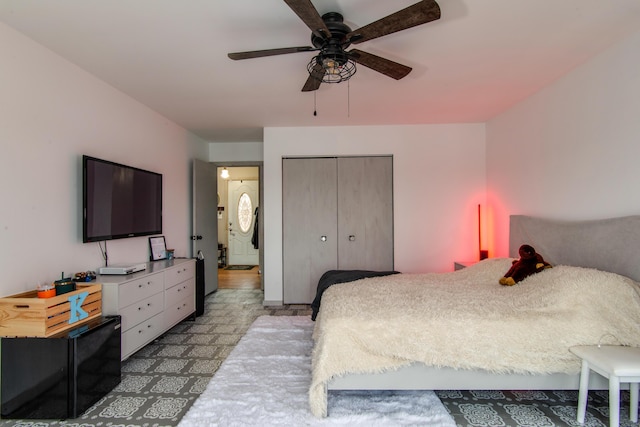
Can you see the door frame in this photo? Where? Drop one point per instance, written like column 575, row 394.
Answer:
column 260, row 166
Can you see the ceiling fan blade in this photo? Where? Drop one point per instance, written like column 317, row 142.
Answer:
column 379, row 64
column 310, row 16
column 269, row 52
column 315, row 79
column 417, row 14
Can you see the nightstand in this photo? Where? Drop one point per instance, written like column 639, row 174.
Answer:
column 459, row 265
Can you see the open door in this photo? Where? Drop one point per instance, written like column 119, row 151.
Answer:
column 205, row 221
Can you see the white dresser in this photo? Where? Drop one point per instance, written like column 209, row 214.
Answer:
column 149, row 302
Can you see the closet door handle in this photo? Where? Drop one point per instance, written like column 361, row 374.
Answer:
column 323, row 238
column 352, row 238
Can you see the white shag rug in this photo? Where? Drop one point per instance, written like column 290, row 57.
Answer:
column 265, row 382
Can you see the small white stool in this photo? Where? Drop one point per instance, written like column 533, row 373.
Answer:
column 619, row 364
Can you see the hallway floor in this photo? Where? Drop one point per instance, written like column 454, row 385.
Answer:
column 239, row 279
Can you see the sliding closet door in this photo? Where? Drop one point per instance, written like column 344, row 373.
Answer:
column 365, row 213
column 309, row 225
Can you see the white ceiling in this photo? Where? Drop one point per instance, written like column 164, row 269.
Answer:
column 480, row 58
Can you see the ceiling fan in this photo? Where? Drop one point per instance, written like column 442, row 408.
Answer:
column 331, row 36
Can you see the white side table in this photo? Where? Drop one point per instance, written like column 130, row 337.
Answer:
column 619, row 364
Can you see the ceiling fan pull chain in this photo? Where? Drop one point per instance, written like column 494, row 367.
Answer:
column 315, row 112
column 348, row 98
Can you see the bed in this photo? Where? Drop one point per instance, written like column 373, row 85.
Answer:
column 462, row 330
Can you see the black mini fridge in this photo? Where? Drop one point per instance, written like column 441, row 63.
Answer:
column 61, row 376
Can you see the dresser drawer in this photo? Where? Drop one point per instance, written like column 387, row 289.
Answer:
column 139, row 289
column 142, row 334
column 179, row 291
column 179, row 311
column 179, row 274
column 142, row 310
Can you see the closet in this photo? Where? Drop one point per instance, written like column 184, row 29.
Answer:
column 337, row 215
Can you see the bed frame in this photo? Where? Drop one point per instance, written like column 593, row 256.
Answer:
column 610, row 245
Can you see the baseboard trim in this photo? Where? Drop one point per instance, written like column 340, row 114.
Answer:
column 266, row 303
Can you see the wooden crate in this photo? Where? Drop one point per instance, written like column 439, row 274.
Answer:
column 26, row 315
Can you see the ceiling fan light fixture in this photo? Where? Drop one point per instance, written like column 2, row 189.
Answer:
column 329, row 68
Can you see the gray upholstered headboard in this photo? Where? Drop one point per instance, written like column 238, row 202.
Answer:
column 608, row 244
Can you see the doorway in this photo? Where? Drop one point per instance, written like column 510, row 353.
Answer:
column 239, row 226
column 242, row 221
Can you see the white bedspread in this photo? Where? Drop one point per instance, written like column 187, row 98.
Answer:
column 466, row 320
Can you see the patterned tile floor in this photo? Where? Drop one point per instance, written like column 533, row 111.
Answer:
column 161, row 382
column 483, row 408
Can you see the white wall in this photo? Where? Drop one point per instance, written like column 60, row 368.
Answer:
column 572, row 150
column 439, row 179
column 234, row 151
column 52, row 112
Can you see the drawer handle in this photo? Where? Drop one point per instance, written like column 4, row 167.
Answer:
column 140, row 285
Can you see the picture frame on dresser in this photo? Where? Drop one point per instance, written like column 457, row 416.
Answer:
column 158, row 247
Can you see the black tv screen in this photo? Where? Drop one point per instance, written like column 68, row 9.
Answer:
column 119, row 201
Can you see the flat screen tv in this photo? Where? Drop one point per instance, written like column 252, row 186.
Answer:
column 119, row 201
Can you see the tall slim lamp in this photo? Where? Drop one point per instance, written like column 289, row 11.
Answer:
column 483, row 253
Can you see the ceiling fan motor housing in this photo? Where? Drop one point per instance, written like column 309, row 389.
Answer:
column 334, row 45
